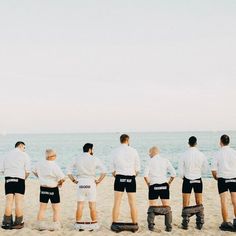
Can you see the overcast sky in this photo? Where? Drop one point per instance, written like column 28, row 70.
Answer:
column 97, row 66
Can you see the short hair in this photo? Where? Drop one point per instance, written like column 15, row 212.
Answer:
column 192, row 141
column 19, row 143
column 225, row 140
column 124, row 138
column 50, row 152
column 155, row 149
column 87, row 146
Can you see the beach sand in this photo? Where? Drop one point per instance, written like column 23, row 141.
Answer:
column 104, row 208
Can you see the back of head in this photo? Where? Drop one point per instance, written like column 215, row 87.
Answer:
column 50, row 154
column 192, row 141
column 153, row 151
column 19, row 143
column 124, row 138
column 225, row 140
column 87, row 146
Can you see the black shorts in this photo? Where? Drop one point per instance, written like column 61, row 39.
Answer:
column 125, row 183
column 159, row 190
column 51, row 194
column 195, row 184
column 14, row 185
column 226, row 184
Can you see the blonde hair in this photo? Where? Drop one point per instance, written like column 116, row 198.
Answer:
column 50, row 152
column 154, row 149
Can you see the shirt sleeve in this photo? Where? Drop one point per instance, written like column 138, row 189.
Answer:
column 112, row 166
column 59, row 174
column 147, row 170
column 171, row 169
column 214, row 164
column 100, row 166
column 137, row 162
column 35, row 168
column 181, row 167
column 205, row 165
column 2, row 164
column 70, row 167
column 27, row 164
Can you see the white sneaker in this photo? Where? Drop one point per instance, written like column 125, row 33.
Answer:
column 55, row 226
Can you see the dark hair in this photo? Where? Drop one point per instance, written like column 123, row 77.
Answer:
column 225, row 140
column 124, row 138
column 19, row 143
column 87, row 146
column 192, row 141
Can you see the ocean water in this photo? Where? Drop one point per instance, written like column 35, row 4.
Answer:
column 171, row 144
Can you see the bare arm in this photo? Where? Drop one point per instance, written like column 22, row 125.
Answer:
column 147, row 181
column 35, row 173
column 26, row 175
column 99, row 180
column 72, row 178
column 170, row 180
column 60, row 182
column 214, row 174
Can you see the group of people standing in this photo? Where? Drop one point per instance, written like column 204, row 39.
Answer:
column 16, row 167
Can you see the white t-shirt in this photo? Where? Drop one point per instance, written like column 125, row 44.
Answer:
column 49, row 173
column 157, row 169
column 224, row 163
column 125, row 160
column 16, row 163
column 86, row 166
column 192, row 164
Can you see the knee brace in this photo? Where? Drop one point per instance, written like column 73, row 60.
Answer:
column 159, row 210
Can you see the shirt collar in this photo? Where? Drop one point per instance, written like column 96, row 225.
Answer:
column 124, row 144
column 156, row 156
column 87, row 154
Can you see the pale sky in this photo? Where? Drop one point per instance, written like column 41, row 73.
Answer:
column 124, row 65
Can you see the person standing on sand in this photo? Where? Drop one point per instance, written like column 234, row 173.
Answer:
column 224, row 171
column 155, row 176
column 85, row 167
column 125, row 167
column 191, row 165
column 51, row 178
column 16, row 167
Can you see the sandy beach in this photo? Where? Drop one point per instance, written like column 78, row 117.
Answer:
column 104, row 206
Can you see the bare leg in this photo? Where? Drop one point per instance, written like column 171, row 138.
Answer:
column 233, row 199
column 19, row 204
column 198, row 198
column 42, row 209
column 165, row 202
column 56, row 212
column 9, row 204
column 133, row 207
column 186, row 199
column 116, row 206
column 153, row 203
column 93, row 213
column 79, row 211
column 224, row 211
